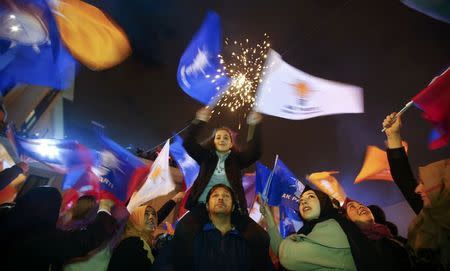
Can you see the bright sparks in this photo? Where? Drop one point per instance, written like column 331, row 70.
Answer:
column 245, row 67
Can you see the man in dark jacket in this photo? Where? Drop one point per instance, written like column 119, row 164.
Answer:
column 220, row 246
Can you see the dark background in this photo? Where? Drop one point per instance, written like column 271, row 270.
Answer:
column 383, row 46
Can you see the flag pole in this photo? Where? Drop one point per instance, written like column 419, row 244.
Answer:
column 408, row 105
column 269, row 181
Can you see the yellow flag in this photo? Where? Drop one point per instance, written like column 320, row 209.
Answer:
column 90, row 35
column 327, row 183
column 376, row 165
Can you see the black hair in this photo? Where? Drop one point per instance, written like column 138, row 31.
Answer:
column 236, row 209
column 378, row 214
column 226, row 187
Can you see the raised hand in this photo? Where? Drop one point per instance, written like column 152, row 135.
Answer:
column 203, row 114
column 178, row 197
column 254, row 118
column 392, row 126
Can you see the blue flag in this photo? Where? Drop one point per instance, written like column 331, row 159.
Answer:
column 199, row 71
column 290, row 221
column 62, row 155
column 285, row 188
column 262, row 174
column 119, row 171
column 31, row 50
column 187, row 164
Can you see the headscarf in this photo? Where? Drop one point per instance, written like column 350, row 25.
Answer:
column 136, row 228
column 431, row 227
column 363, row 252
column 373, row 231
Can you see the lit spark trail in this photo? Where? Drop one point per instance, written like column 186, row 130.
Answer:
column 245, row 69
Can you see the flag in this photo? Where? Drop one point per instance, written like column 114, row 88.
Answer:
column 290, row 221
column 120, row 172
column 248, row 181
column 439, row 10
column 376, row 165
column 187, row 164
column 182, row 210
column 285, row 188
column 437, row 139
column 262, row 174
column 77, row 182
column 159, row 182
column 200, row 71
column 32, row 51
column 327, row 183
column 59, row 154
column 91, row 36
column 289, row 93
column 434, row 101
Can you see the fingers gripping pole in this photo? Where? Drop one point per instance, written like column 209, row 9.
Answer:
column 408, row 105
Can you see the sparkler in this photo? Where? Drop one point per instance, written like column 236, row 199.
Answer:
column 245, row 68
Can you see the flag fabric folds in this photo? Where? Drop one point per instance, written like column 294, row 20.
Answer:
column 284, row 188
column 91, row 36
column 434, row 101
column 159, row 181
column 119, row 172
column 31, row 50
column 289, row 93
column 199, row 70
column 327, row 183
column 262, row 175
column 187, row 164
column 376, row 165
column 249, row 183
column 62, row 155
column 290, row 221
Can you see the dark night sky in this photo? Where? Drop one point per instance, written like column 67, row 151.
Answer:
column 383, row 46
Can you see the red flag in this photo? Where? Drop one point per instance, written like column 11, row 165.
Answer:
column 434, row 101
column 182, row 211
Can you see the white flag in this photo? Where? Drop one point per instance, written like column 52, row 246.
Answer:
column 289, row 93
column 159, row 181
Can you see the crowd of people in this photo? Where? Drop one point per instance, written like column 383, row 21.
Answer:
column 217, row 232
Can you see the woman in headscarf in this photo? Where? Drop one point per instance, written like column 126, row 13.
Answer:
column 394, row 254
column 134, row 252
column 429, row 232
column 31, row 241
column 327, row 241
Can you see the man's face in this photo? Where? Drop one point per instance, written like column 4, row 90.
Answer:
column 220, row 202
column 359, row 213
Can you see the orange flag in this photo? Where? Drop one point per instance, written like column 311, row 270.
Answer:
column 376, row 165
column 91, row 36
column 327, row 183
